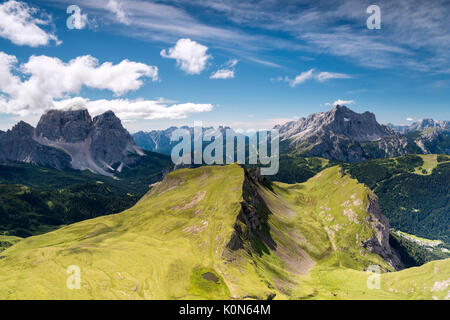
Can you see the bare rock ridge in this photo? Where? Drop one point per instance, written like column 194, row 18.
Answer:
column 252, row 219
column 71, row 139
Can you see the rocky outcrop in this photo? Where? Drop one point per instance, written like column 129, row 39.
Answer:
column 379, row 242
column 252, row 219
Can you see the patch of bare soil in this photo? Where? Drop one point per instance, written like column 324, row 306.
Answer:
column 198, row 197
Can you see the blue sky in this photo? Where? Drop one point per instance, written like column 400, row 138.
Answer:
column 247, row 64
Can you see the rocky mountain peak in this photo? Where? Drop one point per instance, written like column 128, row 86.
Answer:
column 340, row 134
column 339, row 121
column 108, row 120
column 22, row 130
column 68, row 126
column 111, row 143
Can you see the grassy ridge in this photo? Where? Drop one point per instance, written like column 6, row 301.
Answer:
column 174, row 244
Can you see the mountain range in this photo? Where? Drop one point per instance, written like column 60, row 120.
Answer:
column 339, row 134
column 71, row 139
column 94, row 197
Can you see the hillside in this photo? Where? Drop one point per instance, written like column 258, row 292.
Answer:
column 222, row 232
column 34, row 200
column 414, row 192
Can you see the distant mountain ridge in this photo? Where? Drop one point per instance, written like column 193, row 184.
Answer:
column 344, row 135
column 339, row 134
column 421, row 125
column 429, row 135
column 159, row 140
column 71, row 139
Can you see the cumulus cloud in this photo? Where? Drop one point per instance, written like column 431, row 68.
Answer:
column 409, row 119
column 45, row 83
column 190, row 55
column 22, row 24
column 225, row 73
column 127, row 109
column 312, row 74
column 47, row 79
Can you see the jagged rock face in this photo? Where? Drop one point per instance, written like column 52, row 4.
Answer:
column 110, row 142
column 18, row 145
column 67, row 126
column 341, row 134
column 379, row 243
column 71, row 139
column 252, row 220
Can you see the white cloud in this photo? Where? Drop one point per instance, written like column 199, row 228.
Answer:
column 302, row 77
column 127, row 109
column 409, row 119
column 21, row 24
column 311, row 74
column 117, row 8
column 324, row 76
column 49, row 83
column 232, row 63
column 343, row 102
column 191, row 56
column 225, row 73
column 47, row 79
column 222, row 74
